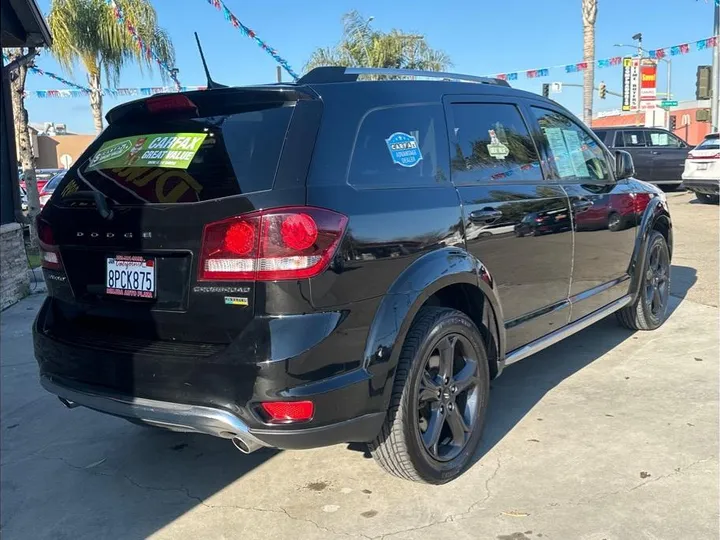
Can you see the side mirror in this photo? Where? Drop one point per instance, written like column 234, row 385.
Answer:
column 624, row 167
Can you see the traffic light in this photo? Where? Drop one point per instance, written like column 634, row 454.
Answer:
column 673, row 122
column 602, row 90
column 546, row 90
column 702, row 84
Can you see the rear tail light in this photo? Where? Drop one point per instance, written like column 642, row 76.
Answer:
column 640, row 202
column 285, row 412
column 171, row 102
column 694, row 156
column 284, row 243
column 49, row 251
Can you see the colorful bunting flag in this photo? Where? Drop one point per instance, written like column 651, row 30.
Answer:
column 220, row 6
column 144, row 47
column 675, row 50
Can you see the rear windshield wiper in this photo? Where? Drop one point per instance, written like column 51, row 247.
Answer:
column 98, row 198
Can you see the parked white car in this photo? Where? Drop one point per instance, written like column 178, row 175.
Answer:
column 702, row 169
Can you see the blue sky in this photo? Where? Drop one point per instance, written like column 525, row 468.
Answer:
column 481, row 37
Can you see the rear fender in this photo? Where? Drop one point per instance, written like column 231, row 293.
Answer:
column 397, row 310
column 656, row 215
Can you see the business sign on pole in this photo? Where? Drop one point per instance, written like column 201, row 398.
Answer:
column 627, row 65
column 631, row 84
column 648, row 80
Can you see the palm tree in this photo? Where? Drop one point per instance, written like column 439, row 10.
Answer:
column 361, row 46
column 589, row 14
column 87, row 31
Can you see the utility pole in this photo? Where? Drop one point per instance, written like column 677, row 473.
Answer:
column 715, row 94
column 279, row 74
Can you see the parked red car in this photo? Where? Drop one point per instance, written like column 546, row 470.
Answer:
column 43, row 176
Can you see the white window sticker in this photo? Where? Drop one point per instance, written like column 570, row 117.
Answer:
column 559, row 149
column 577, row 158
column 496, row 149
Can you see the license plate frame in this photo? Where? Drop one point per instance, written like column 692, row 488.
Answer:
column 702, row 166
column 131, row 276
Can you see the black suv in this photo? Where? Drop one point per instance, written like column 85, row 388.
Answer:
column 306, row 264
column 658, row 155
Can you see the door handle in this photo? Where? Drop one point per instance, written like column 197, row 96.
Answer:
column 655, row 153
column 581, row 205
column 485, row 216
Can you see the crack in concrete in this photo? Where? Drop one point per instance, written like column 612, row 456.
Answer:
column 453, row 517
column 600, row 496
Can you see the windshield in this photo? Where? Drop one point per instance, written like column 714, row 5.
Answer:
column 710, row 143
column 52, row 184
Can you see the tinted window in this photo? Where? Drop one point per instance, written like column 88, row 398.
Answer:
column 664, row 139
column 601, row 134
column 399, row 147
column 632, row 139
column 236, row 153
column 710, row 143
column 493, row 144
column 572, row 153
column 52, row 184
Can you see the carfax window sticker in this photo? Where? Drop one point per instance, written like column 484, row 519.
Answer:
column 168, row 150
column 404, row 149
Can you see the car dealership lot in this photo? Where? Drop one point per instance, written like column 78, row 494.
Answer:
column 609, row 434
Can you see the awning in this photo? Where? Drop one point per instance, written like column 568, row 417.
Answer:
column 22, row 25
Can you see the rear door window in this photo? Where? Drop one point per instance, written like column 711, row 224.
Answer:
column 403, row 146
column 183, row 160
column 492, row 144
column 633, row 139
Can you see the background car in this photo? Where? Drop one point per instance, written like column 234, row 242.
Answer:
column 659, row 156
column 42, row 176
column 48, row 189
column 702, row 169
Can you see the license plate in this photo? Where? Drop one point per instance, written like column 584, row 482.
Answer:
column 702, row 166
column 131, row 276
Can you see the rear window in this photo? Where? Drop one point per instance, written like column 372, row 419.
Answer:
column 184, row 160
column 710, row 143
column 601, row 134
column 400, row 147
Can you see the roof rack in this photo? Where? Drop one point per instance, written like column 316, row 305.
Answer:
column 330, row 74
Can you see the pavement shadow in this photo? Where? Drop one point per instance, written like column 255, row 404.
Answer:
column 523, row 384
column 682, row 279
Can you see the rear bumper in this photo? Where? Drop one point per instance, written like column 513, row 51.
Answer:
column 708, row 186
column 219, row 391
column 210, row 420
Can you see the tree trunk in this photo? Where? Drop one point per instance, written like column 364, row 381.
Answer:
column 96, row 100
column 24, row 147
column 589, row 15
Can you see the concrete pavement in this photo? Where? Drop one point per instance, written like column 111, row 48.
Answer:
column 608, row 435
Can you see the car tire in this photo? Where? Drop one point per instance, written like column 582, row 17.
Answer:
column 707, row 198
column 405, row 446
column 668, row 188
column 649, row 310
column 615, row 222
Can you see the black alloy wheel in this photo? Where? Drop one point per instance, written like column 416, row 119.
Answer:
column 657, row 280
column 439, row 399
column 448, row 397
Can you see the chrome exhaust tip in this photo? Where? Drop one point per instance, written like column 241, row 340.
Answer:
column 69, row 404
column 246, row 446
